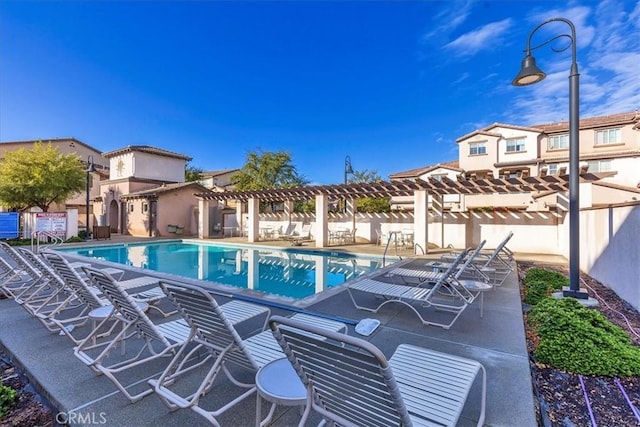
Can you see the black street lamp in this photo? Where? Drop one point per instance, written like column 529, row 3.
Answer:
column 530, row 74
column 347, row 170
column 90, row 168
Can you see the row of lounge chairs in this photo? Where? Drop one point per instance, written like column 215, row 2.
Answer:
column 449, row 285
column 348, row 380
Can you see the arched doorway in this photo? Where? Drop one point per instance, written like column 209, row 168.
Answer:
column 113, row 216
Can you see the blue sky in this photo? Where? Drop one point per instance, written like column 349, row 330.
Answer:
column 391, row 84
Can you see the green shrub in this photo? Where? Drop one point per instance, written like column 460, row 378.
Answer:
column 580, row 340
column 7, row 397
column 539, row 283
column 74, row 239
column 18, row 242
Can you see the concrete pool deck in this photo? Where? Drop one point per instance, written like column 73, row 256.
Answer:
column 497, row 341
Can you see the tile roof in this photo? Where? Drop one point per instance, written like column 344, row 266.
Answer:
column 146, row 149
column 592, row 122
column 412, row 173
column 165, row 188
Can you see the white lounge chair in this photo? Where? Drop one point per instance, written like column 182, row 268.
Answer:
column 288, row 232
column 501, row 257
column 440, row 295
column 350, row 382
column 150, row 341
column 213, row 332
column 302, row 236
column 18, row 275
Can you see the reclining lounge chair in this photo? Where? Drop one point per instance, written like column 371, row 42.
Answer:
column 350, row 382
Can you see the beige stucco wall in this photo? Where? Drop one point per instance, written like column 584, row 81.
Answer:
column 610, row 250
column 147, row 166
column 480, row 161
column 630, row 141
column 531, row 145
column 177, row 207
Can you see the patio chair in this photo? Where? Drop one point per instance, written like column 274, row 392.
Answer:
column 441, row 295
column 212, row 331
column 18, row 275
column 153, row 341
column 501, row 257
column 288, row 232
column 499, row 263
column 350, row 382
column 51, row 295
column 72, row 277
column 304, row 235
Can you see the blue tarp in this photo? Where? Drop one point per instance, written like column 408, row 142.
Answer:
column 8, row 225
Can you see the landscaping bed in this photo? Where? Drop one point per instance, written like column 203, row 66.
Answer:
column 28, row 409
column 569, row 399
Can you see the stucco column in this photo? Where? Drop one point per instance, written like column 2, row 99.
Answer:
column 288, row 210
column 239, row 216
column 586, row 194
column 254, row 219
column 421, row 220
column 320, row 229
column 203, row 219
column 351, row 213
column 437, row 202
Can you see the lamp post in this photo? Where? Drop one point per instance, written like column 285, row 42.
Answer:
column 347, row 170
column 530, row 74
column 90, row 168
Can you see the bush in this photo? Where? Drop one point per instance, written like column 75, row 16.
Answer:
column 7, row 397
column 540, row 283
column 74, row 239
column 580, row 340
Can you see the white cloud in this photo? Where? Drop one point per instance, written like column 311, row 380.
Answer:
column 474, row 41
column 450, row 18
column 463, row 77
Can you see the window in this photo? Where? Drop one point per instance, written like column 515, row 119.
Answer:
column 145, row 207
column 514, row 145
column 477, row 148
column 608, row 136
column 552, row 169
column 131, row 205
column 599, row 166
column 558, row 142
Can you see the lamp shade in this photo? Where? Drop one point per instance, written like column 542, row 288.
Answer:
column 529, row 72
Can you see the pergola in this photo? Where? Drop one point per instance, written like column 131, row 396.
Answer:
column 418, row 188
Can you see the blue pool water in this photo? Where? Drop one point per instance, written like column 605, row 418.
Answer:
column 288, row 272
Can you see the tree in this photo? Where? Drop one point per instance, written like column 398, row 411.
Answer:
column 192, row 173
column 370, row 204
column 264, row 170
column 39, row 177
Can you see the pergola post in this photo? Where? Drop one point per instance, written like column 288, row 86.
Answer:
column 254, row 219
column 421, row 220
column 288, row 210
column 239, row 216
column 322, row 211
column 203, row 219
column 351, row 213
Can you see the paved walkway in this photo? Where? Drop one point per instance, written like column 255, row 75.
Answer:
column 497, row 341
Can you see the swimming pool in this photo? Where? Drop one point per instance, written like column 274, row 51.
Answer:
column 285, row 272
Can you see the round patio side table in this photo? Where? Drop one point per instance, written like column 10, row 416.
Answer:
column 278, row 383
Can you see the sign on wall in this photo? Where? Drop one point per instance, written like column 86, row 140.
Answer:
column 52, row 222
column 9, row 225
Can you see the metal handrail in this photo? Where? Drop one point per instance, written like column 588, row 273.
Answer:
column 37, row 235
column 393, row 234
column 417, row 245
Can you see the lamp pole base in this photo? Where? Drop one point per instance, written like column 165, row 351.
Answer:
column 579, row 294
